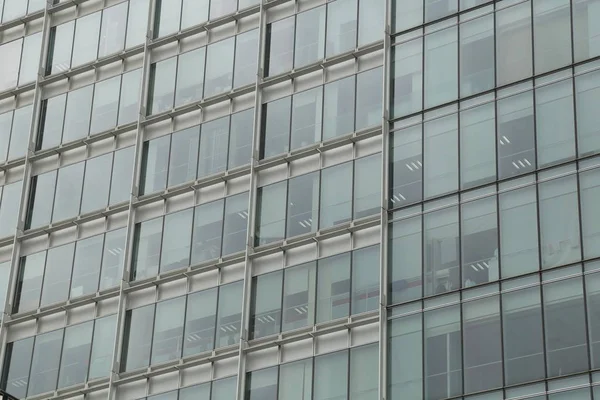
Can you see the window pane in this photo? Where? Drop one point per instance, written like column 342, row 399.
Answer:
column 365, row 279
column 441, row 66
column 406, row 171
column 310, row 37
column 214, row 137
column 513, row 44
column 406, row 14
column 10, row 53
column 516, row 130
column 336, row 195
column 19, row 138
column 275, row 135
column 4, row 275
column 200, row 321
column 51, row 122
column 240, row 138
column 85, row 44
column 552, row 34
column 68, row 192
column 146, row 249
column 229, row 316
column 368, row 98
column 270, row 213
column 566, row 342
column 17, row 363
column 364, row 376
column 106, row 105
column 176, row 240
column 5, row 126
column 442, row 249
column 14, row 9
column 589, row 186
column 586, row 37
column 193, row 13
column 299, row 296
column 479, row 241
column 61, row 43
column 77, row 117
column 407, row 75
column 113, row 258
column 221, row 8
column 40, row 209
column 162, row 86
column 435, row 9
column 441, row 156
column 86, row 267
column 405, row 359
column 9, row 209
column 265, row 305
column 96, row 183
column 371, row 15
column 295, row 380
column 198, row 392
column 523, row 337
column 224, row 389
column 76, row 354
column 262, row 384
column 592, row 287
column 102, row 347
column 303, row 204
column 208, row 229
column 120, row 184
column 443, row 353
column 367, row 186
column 137, row 338
column 477, row 145
column 559, row 222
column 219, row 67
column 331, row 376
column 518, row 232
column 190, row 76
column 338, row 114
column 168, row 330
column 155, row 165
column 477, row 55
column 137, row 22
column 588, row 120
column 184, row 153
column 341, row 26
column 30, row 59
column 404, row 268
column 236, row 224
column 44, row 364
column 555, row 125
column 168, row 13
column 112, row 32
column 128, row 104
column 482, row 344
column 280, row 46
column 57, row 277
column 246, row 48
column 29, row 286
column 333, row 290
column 307, row 117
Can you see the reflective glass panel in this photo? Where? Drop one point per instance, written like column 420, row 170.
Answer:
column 44, row 364
column 176, row 240
column 168, row 330
column 229, row 316
column 190, row 76
column 86, row 266
column 17, row 364
column 106, row 105
column 299, row 288
column 265, row 305
column 307, row 118
column 338, row 110
column 112, row 31
column 75, row 358
column 336, row 195
column 246, row 48
column 96, row 183
column 184, row 153
column 303, row 204
column 235, row 224
column 214, row 137
column 146, row 251
column 367, row 186
column 270, row 213
column 333, row 288
column 162, row 85
column 341, row 26
column 137, row 338
column 295, row 380
column 113, row 258
column 102, row 347
column 208, row 230
column 280, row 46
column 85, row 43
column 200, row 322
column 310, row 37
column 57, row 277
column 69, row 185
column 77, row 117
column 219, row 66
column 331, row 376
column 29, row 286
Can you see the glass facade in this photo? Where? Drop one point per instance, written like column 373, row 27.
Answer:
column 300, row 200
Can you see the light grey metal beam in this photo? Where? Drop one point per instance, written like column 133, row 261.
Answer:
column 245, row 318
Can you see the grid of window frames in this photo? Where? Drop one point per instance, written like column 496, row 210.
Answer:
column 322, row 113
column 220, row 389
column 312, row 293
column 60, row 358
column 70, row 271
column 197, row 152
column 80, row 188
column 89, row 110
column 349, row 374
column 189, row 237
column 97, row 35
column 182, row 326
column 318, row 200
